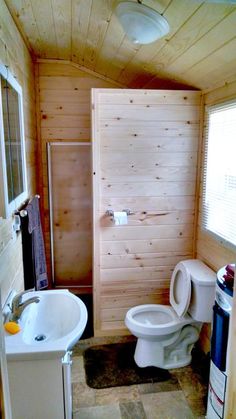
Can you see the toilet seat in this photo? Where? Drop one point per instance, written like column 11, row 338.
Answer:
column 180, row 289
column 159, row 320
column 155, row 319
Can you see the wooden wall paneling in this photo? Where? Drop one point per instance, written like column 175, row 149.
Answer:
column 148, row 218
column 210, row 69
column 11, row 268
column 152, row 114
column 110, row 48
column 62, row 14
column 192, row 32
column 96, row 209
column 46, row 27
column 154, row 188
column 203, row 47
column 212, row 252
column 145, row 246
column 139, row 97
column 88, row 33
column 23, row 14
column 198, row 176
column 81, row 10
column 39, row 152
column 126, row 275
column 15, row 55
column 11, row 37
column 99, row 20
column 131, row 300
column 221, row 93
column 123, row 55
column 118, row 288
column 141, row 259
column 151, row 203
column 117, row 233
column 138, row 259
column 64, row 92
column 75, row 69
column 176, row 16
column 117, row 49
column 198, row 25
column 5, row 233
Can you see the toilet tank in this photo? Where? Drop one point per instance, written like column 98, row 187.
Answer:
column 203, row 283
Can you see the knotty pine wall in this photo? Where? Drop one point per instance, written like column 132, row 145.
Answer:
column 64, row 109
column 208, row 249
column 145, row 150
column 15, row 55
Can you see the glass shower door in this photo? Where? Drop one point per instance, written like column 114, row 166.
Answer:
column 70, row 195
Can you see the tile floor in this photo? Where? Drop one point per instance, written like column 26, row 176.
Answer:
column 182, row 397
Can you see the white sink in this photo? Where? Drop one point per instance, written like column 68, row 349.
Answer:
column 50, row 327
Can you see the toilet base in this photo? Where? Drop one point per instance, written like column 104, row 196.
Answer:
column 173, row 352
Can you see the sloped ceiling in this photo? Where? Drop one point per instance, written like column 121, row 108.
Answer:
column 199, row 51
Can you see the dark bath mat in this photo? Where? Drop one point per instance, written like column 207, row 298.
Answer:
column 113, row 365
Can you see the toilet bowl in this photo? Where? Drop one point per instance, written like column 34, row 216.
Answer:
column 166, row 334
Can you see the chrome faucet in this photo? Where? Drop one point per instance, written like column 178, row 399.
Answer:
column 17, row 306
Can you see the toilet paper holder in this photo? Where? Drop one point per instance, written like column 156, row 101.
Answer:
column 110, row 213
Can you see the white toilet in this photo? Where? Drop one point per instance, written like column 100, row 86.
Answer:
column 166, row 334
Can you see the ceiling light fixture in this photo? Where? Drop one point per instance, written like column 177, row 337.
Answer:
column 141, row 24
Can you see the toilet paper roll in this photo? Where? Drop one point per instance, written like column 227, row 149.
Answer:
column 120, row 218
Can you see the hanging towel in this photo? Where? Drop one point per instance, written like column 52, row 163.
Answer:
column 29, row 275
column 38, row 250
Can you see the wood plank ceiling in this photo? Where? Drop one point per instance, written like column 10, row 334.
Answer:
column 200, row 49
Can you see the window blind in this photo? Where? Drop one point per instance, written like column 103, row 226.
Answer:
column 219, row 173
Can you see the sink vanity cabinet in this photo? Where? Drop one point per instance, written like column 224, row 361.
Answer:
column 39, row 357
column 41, row 388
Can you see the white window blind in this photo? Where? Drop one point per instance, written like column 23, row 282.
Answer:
column 219, row 173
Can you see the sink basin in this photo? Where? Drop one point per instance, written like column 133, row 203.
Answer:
column 49, row 327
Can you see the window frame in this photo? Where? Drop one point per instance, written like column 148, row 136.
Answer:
column 7, row 208
column 208, row 108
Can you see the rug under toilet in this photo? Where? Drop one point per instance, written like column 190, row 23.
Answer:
column 113, row 365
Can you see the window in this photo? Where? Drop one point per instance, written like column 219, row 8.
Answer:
column 12, row 159
column 219, row 174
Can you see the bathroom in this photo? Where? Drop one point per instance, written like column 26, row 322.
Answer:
column 57, row 69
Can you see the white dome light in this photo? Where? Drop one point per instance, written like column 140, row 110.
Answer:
column 141, row 24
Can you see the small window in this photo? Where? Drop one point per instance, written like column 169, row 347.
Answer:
column 219, row 173
column 12, row 162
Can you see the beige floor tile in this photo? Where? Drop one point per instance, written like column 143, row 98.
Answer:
column 196, row 404
column 167, row 405
column 132, row 410
column 182, row 397
column 190, row 382
column 111, row 411
column 194, row 391
column 77, row 370
column 117, row 394
column 169, row 385
column 82, row 395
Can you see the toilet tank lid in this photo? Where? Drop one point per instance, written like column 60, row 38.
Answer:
column 200, row 273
